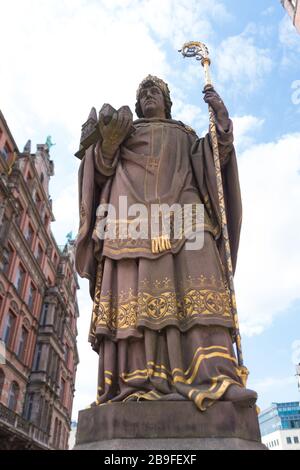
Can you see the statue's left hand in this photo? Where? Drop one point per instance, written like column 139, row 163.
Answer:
column 212, row 98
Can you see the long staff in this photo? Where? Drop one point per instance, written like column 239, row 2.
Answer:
column 200, row 52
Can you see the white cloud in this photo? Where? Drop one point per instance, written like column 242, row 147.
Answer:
column 64, row 57
column 289, row 40
column 189, row 114
column 272, row 383
column 60, row 61
column 296, row 352
column 245, row 128
column 274, row 389
column 268, row 11
column 65, row 209
column 242, row 63
column 268, row 274
column 288, row 35
column 188, row 20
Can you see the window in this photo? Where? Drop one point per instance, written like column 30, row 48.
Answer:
column 20, row 277
column 20, row 213
column 2, row 381
column 52, row 367
column 296, row 440
column 31, row 296
column 5, row 152
column 44, row 314
column 22, row 343
column 289, row 440
column 46, row 221
column 8, row 259
column 3, row 226
column 13, row 396
column 62, row 390
column 45, row 415
column 37, row 357
column 29, row 406
column 8, row 329
column 29, row 234
column 55, row 259
column 59, row 323
column 55, row 370
column 39, row 254
column 39, row 203
column 37, row 198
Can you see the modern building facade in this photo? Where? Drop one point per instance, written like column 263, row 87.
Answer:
column 293, row 9
column 38, row 305
column 280, row 426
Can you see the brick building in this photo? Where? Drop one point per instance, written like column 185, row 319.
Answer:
column 293, row 9
column 38, row 305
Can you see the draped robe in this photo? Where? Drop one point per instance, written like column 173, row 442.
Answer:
column 161, row 322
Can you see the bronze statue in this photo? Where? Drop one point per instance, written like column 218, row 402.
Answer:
column 162, row 320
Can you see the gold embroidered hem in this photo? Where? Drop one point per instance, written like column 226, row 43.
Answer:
column 157, row 311
column 198, row 365
column 132, row 294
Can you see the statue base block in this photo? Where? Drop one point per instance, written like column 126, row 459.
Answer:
column 163, row 425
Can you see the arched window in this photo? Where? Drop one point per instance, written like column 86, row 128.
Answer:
column 13, row 396
column 2, row 381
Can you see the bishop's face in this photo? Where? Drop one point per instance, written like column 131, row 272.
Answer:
column 152, row 102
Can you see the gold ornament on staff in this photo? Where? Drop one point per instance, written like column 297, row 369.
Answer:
column 200, row 52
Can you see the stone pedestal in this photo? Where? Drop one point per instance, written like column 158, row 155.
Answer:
column 164, row 425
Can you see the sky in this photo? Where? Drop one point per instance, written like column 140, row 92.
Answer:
column 61, row 57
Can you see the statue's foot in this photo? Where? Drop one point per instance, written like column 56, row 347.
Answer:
column 240, row 396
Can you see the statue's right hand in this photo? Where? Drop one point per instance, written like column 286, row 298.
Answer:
column 114, row 127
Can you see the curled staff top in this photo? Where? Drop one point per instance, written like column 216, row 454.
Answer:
column 195, row 49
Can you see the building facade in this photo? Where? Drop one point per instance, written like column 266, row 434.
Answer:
column 293, row 9
column 280, row 426
column 283, row 440
column 38, row 305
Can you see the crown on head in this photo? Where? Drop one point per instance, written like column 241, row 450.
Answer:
column 157, row 81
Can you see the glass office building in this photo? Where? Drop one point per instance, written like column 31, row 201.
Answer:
column 280, row 416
